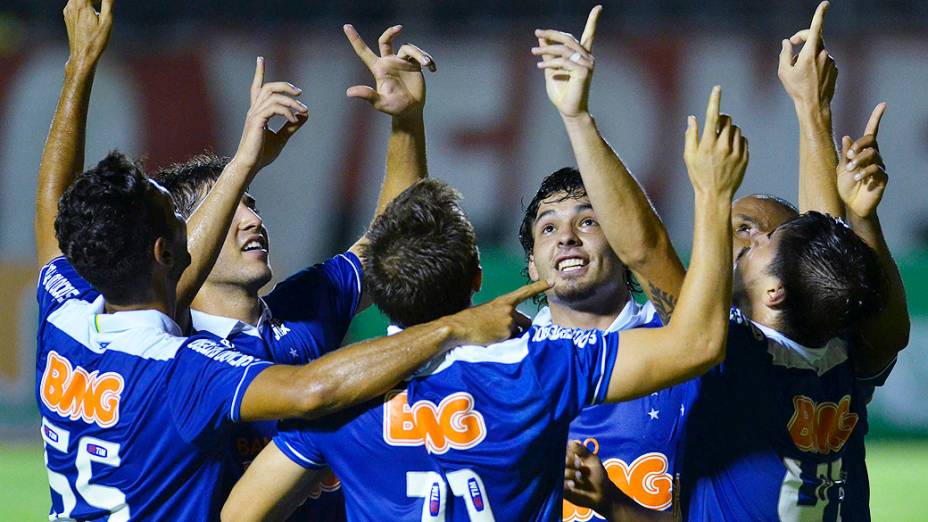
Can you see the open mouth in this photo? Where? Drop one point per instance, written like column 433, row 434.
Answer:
column 255, row 245
column 571, row 264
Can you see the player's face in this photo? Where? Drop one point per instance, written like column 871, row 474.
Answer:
column 570, row 248
column 753, row 215
column 243, row 260
column 752, row 278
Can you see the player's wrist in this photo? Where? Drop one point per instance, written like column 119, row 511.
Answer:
column 411, row 121
column 577, row 120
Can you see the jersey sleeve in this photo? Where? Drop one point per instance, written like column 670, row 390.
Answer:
column 574, row 366
column 59, row 283
column 297, row 441
column 321, row 302
column 747, row 361
column 206, row 386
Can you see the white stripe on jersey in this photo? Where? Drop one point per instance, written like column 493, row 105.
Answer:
column 303, row 457
column 357, row 275
column 599, row 382
column 147, row 339
column 233, row 408
column 506, row 352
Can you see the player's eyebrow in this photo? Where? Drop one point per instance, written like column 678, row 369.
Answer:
column 747, row 218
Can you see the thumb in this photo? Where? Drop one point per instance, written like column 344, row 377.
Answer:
column 363, row 92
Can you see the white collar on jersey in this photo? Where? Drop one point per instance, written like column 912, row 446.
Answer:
column 226, row 327
column 787, row 352
column 119, row 322
column 631, row 316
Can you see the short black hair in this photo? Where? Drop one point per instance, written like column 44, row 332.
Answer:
column 832, row 278
column 566, row 181
column 421, row 258
column 188, row 182
column 107, row 223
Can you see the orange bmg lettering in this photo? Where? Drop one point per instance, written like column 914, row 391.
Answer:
column 454, row 423
column 821, row 428
column 74, row 393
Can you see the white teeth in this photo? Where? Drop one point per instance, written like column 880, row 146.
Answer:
column 253, row 245
column 569, row 265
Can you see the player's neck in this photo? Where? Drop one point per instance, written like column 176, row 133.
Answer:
column 563, row 315
column 159, row 297
column 234, row 302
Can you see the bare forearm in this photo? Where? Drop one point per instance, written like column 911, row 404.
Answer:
column 888, row 331
column 345, row 377
column 817, row 162
column 406, row 160
column 629, row 221
column 702, row 311
column 63, row 155
column 207, row 227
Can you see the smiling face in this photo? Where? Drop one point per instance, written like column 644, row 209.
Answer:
column 570, row 248
column 243, row 260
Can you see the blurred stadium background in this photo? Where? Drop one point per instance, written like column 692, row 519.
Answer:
column 175, row 80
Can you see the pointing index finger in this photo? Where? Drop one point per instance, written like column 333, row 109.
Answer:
column 815, row 29
column 873, row 126
column 258, row 79
column 589, row 31
column 360, row 48
column 712, row 112
column 529, row 290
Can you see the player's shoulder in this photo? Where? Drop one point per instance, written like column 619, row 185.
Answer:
column 59, row 282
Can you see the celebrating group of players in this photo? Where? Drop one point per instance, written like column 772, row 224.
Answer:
column 170, row 389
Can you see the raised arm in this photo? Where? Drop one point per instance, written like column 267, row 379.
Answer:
column 365, row 370
column 694, row 341
column 861, row 182
column 630, row 223
column 400, row 93
column 259, row 146
column 809, row 79
column 63, row 155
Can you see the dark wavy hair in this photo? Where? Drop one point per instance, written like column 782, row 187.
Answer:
column 188, row 182
column 832, row 278
column 107, row 224
column 421, row 257
column 566, row 181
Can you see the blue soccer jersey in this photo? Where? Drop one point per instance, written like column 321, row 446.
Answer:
column 133, row 414
column 636, row 440
column 856, row 504
column 479, row 434
column 304, row 317
column 767, row 430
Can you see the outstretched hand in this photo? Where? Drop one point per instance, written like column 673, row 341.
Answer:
column 716, row 162
column 400, row 85
column 809, row 77
column 496, row 320
column 862, row 175
column 568, row 65
column 88, row 31
column 260, row 145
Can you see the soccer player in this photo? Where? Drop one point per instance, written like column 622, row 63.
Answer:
column 562, row 235
column 486, row 419
column 133, row 413
column 307, row 314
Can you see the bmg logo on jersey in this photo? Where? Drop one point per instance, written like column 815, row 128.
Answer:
column 72, row 392
column 821, row 427
column 454, row 423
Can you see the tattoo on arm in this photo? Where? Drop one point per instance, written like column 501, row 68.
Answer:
column 664, row 302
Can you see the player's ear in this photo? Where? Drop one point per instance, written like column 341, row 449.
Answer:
column 162, row 252
column 478, row 279
column 532, row 269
